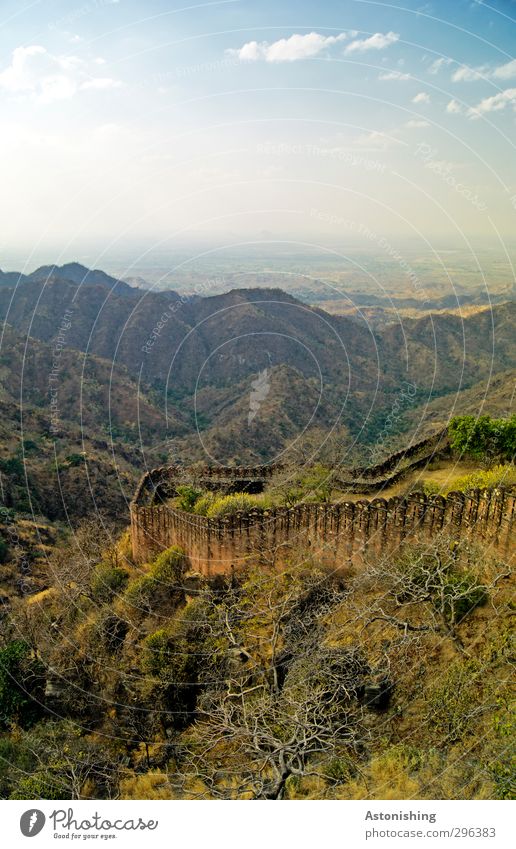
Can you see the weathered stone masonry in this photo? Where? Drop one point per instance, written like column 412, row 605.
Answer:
column 337, row 533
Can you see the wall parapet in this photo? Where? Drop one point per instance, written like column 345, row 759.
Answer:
column 337, row 532
column 158, row 484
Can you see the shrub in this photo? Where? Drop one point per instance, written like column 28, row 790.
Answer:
column 157, row 652
column 483, row 437
column 161, row 581
column 431, row 488
column 500, row 475
column 21, row 685
column 204, row 503
column 228, row 505
column 169, row 565
column 107, row 581
column 187, row 497
column 73, row 460
column 461, row 593
column 434, row 573
column 317, row 484
column 4, row 548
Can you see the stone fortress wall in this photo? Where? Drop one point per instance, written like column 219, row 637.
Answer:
column 337, row 533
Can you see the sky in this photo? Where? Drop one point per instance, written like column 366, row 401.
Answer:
column 132, row 126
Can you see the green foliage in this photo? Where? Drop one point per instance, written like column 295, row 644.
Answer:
column 228, row 505
column 30, row 447
column 157, row 652
column 108, row 581
column 187, row 497
column 161, row 581
column 169, row 565
column 4, row 548
column 13, row 467
column 54, row 760
column 204, row 503
column 483, row 437
column 501, row 475
column 21, row 685
column 436, row 574
column 317, row 484
column 460, row 594
column 74, row 460
column 431, row 488
column 338, row 769
column 7, row 515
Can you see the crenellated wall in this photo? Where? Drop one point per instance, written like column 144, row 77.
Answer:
column 337, row 533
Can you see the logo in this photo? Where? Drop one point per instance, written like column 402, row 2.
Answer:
column 260, row 389
column 31, row 822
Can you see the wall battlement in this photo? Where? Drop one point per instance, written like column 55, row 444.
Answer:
column 337, row 533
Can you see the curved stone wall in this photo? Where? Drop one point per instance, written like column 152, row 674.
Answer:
column 336, row 533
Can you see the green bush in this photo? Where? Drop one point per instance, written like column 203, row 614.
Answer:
column 461, row 593
column 228, row 505
column 21, row 685
column 431, row 488
column 204, row 503
column 500, row 475
column 157, row 652
column 187, row 497
column 169, row 565
column 74, row 460
column 4, row 548
column 108, row 581
column 162, row 579
column 483, row 437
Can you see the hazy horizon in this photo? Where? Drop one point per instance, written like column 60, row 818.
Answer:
column 130, row 128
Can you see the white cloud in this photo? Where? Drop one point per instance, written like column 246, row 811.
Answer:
column 496, row 103
column 36, row 73
column 501, row 72
column 393, row 75
column 415, row 124
column 467, row 74
column 437, row 64
column 505, row 72
column 376, row 140
column 422, row 97
column 378, row 41
column 290, row 49
column 454, row 107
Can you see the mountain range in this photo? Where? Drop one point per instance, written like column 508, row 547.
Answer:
column 141, row 377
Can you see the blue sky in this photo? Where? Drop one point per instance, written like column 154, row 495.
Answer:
column 130, row 122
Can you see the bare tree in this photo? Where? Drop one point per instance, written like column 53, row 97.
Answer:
column 430, row 586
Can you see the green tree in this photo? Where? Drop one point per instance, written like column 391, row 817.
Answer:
column 21, row 685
